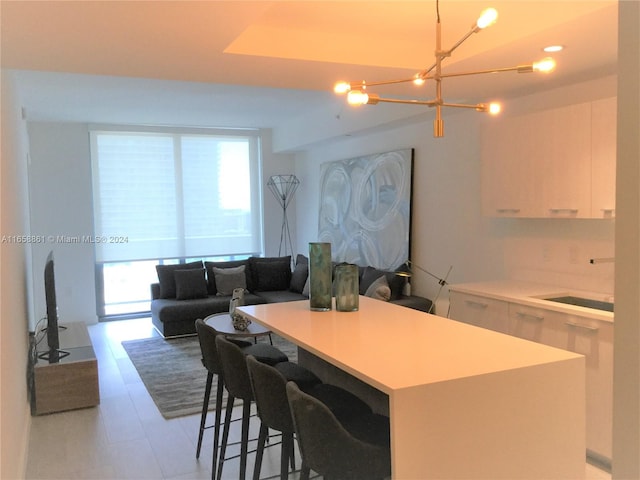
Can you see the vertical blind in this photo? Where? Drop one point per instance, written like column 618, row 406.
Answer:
column 175, row 195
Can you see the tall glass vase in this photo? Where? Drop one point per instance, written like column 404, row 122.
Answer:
column 347, row 287
column 320, row 276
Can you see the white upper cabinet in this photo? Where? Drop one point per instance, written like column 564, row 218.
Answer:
column 507, row 169
column 550, row 163
column 564, row 162
column 603, row 158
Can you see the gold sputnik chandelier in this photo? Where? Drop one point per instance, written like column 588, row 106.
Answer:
column 357, row 93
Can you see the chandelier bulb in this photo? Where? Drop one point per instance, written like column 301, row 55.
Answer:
column 357, row 97
column 494, row 108
column 545, row 65
column 487, row 18
column 341, row 88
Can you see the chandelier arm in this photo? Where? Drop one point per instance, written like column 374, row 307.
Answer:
column 447, row 53
column 518, row 68
column 358, row 86
column 477, row 106
column 428, row 103
column 424, row 74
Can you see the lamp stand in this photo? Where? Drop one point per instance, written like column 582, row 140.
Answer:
column 283, row 188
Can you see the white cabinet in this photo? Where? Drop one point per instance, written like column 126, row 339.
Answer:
column 603, row 158
column 564, row 160
column 553, row 163
column 594, row 340
column 479, row 311
column 589, row 337
column 507, row 169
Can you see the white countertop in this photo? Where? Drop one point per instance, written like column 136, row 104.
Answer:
column 533, row 294
column 424, row 348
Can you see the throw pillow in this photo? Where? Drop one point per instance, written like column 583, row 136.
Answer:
column 166, row 277
column 379, row 289
column 272, row 275
column 300, row 274
column 369, row 276
column 190, row 284
column 227, row 279
column 211, row 278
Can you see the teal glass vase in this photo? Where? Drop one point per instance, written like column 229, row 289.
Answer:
column 347, row 287
column 320, row 276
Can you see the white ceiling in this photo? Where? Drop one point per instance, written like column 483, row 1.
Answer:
column 260, row 63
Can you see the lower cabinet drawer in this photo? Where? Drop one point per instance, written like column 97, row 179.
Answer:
column 479, row 311
column 533, row 324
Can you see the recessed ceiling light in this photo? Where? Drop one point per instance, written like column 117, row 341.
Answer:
column 553, row 48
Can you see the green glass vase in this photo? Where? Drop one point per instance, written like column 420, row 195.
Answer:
column 320, row 276
column 347, row 287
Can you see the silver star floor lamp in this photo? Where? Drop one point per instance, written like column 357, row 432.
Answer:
column 283, row 188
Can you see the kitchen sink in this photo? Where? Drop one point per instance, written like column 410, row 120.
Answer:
column 583, row 302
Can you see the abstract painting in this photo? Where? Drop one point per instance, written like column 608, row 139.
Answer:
column 365, row 208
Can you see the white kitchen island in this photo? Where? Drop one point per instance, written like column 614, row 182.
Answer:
column 464, row 402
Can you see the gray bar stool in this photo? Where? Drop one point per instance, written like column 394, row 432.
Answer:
column 332, row 448
column 210, row 360
column 270, row 393
column 238, row 384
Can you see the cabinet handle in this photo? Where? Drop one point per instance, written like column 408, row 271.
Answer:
column 508, row 210
column 471, row 303
column 530, row 316
column 566, row 211
column 584, row 327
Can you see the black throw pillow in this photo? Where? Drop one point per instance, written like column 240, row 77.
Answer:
column 190, row 284
column 272, row 275
column 166, row 277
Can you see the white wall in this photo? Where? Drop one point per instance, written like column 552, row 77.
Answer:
column 448, row 228
column 15, row 415
column 275, row 164
column 61, row 207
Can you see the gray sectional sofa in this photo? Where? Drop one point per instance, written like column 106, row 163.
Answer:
column 186, row 292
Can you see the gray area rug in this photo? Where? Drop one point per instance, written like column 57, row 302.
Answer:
column 172, row 371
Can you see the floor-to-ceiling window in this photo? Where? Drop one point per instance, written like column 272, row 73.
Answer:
column 167, row 196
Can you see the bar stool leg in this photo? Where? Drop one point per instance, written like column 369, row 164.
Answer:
column 218, row 422
column 262, row 438
column 244, row 445
column 305, row 472
column 286, row 449
column 225, row 437
column 205, row 407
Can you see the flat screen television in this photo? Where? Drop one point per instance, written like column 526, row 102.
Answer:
column 53, row 354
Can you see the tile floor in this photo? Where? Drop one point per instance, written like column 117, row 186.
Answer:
column 125, row 437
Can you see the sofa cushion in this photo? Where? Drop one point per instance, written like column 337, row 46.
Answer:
column 228, row 279
column 190, row 283
column 370, row 275
column 277, row 296
column 300, row 274
column 379, row 289
column 211, row 280
column 167, row 279
column 270, row 273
